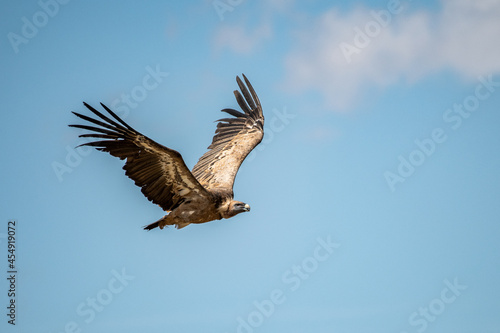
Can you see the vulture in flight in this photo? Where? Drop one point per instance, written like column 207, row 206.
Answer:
column 198, row 196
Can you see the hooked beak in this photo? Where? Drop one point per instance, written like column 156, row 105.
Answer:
column 246, row 208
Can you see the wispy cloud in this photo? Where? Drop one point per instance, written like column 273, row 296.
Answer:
column 243, row 39
column 409, row 45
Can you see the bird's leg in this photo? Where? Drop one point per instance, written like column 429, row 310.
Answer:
column 171, row 219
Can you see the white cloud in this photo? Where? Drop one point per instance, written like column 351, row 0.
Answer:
column 470, row 33
column 241, row 40
column 462, row 36
column 321, row 134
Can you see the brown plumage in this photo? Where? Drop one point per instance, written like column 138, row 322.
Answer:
column 200, row 196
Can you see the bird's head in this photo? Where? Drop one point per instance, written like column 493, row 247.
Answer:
column 236, row 207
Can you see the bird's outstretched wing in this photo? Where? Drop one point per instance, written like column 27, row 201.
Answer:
column 160, row 172
column 234, row 139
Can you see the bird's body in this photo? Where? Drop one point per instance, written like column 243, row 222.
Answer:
column 200, row 196
column 217, row 207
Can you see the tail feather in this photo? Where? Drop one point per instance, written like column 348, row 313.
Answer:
column 161, row 223
column 151, row 226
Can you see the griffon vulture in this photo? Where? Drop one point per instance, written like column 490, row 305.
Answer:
column 198, row 196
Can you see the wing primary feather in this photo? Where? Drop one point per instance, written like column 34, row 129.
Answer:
column 104, row 136
column 102, row 144
column 231, row 120
column 93, row 128
column 159, row 171
column 117, row 118
column 100, row 123
column 103, row 116
column 241, row 102
column 254, row 94
column 235, row 137
column 245, row 93
column 234, row 113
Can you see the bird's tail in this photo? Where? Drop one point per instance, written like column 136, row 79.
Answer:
column 164, row 222
column 151, row 226
column 160, row 223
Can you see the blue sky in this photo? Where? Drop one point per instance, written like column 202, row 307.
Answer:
column 374, row 193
